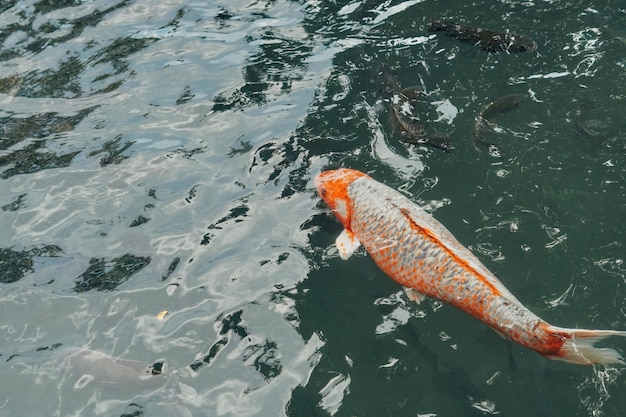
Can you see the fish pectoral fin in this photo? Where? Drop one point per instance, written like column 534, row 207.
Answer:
column 501, row 334
column 414, row 295
column 347, row 244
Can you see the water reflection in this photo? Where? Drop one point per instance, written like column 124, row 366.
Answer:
column 16, row 204
column 33, row 35
column 35, row 156
column 279, row 63
column 107, row 274
column 14, row 265
column 264, row 357
column 114, row 151
column 30, row 159
column 236, row 214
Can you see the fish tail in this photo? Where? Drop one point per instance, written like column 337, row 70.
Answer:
column 578, row 347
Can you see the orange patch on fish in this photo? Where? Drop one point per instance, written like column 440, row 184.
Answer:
column 431, row 236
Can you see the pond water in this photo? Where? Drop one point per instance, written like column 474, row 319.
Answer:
column 160, row 156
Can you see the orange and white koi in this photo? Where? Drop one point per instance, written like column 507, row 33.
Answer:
column 418, row 252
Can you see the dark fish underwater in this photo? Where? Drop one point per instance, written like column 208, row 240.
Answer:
column 488, row 40
column 411, row 129
column 484, row 125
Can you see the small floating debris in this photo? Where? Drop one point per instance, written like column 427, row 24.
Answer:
column 162, row 314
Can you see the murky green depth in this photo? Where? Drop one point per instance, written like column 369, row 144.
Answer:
column 159, row 156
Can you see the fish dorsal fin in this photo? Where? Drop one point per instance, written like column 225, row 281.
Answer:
column 347, row 244
column 426, row 225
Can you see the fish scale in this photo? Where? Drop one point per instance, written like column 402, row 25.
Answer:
column 418, row 252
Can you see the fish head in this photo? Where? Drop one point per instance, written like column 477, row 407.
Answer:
column 332, row 187
column 388, row 83
column 523, row 43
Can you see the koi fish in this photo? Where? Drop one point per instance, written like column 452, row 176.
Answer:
column 418, row 252
column 402, row 112
column 85, row 366
column 488, row 40
column 483, row 125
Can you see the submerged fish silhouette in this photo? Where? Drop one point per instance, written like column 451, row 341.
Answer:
column 87, row 366
column 418, row 252
column 488, row 40
column 483, row 125
column 402, row 112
